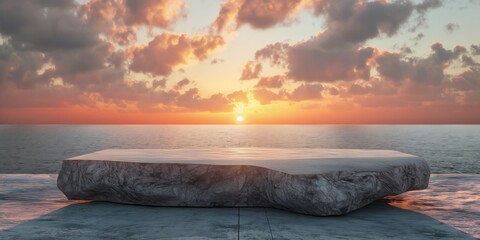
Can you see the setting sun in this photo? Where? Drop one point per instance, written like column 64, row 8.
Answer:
column 239, row 119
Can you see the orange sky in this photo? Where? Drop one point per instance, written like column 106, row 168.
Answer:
column 207, row 62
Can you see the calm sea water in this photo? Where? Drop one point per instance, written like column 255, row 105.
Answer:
column 40, row 148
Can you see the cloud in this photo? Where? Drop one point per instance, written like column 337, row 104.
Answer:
column 158, row 13
column 260, row 14
column 427, row 5
column 251, row 70
column 182, row 83
column 265, row 13
column 228, row 13
column 265, row 96
column 430, row 69
column 169, row 50
column 271, row 82
column 469, row 61
column 276, row 53
column 217, row 61
column 20, row 68
column 451, row 27
column 70, row 53
column 475, row 49
column 45, row 41
column 353, row 22
column 337, row 54
column 238, row 96
column 421, row 8
column 39, row 52
column 338, row 59
column 160, row 83
column 215, row 103
column 44, row 26
column 306, row 62
column 63, row 54
column 300, row 93
column 307, row 92
column 120, row 19
column 392, row 67
column 467, row 81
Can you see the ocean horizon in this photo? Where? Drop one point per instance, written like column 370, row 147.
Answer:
column 40, row 148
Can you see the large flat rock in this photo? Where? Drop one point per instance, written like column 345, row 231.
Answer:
column 310, row 181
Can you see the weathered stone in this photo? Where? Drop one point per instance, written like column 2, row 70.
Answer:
column 310, row 181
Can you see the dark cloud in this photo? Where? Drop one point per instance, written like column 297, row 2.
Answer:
column 357, row 89
column 215, row 103
column 276, row 53
column 351, row 23
column 271, row 82
column 337, row 54
column 182, row 83
column 378, row 16
column 417, row 38
column 44, row 26
column 392, row 66
column 300, row 93
column 168, row 51
column 469, row 61
column 216, row 61
column 265, row 13
column 422, row 70
column 265, row 96
column 119, row 20
column 251, row 70
column 468, row 81
column 451, row 27
column 427, row 5
column 307, row 92
column 421, row 8
column 21, row 67
column 160, row 83
column 475, row 49
column 260, row 14
column 69, row 52
column 441, row 55
column 49, row 42
column 309, row 63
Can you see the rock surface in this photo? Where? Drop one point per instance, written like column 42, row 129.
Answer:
column 310, row 181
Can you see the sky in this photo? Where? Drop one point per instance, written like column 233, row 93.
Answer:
column 212, row 61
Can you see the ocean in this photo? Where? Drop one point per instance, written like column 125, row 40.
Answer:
column 41, row 148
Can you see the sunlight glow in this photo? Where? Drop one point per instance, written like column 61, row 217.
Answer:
column 239, row 119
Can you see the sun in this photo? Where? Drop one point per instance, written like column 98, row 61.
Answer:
column 239, row 119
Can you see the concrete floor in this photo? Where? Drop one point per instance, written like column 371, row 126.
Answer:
column 31, row 207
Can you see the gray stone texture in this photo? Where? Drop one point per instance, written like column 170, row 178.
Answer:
column 318, row 182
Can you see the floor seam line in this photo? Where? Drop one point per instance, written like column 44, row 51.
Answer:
column 268, row 222
column 238, row 224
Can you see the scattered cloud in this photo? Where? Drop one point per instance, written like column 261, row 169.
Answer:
column 260, row 14
column 251, row 70
column 169, row 50
column 452, row 27
column 271, row 82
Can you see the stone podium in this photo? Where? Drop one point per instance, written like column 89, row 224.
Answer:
column 311, row 181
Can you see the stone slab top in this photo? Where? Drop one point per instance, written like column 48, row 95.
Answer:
column 294, row 161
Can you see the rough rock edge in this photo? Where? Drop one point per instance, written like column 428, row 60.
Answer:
column 197, row 185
